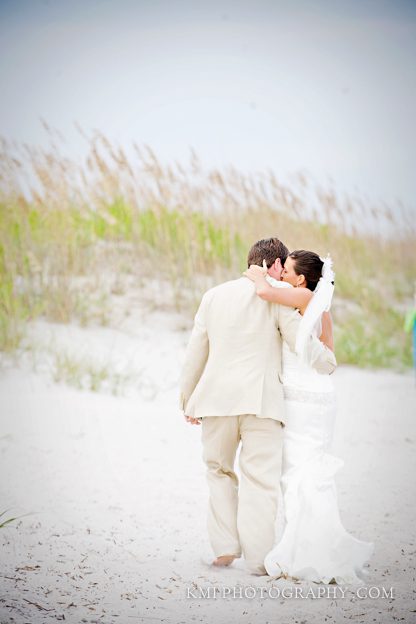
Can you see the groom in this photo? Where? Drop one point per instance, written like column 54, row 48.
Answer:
column 230, row 380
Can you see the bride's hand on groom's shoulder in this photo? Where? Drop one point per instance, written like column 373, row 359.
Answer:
column 255, row 271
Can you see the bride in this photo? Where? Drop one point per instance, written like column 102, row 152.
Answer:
column 314, row 544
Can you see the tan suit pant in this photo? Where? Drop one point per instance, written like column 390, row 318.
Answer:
column 241, row 516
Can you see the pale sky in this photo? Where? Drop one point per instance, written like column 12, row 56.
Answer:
column 326, row 87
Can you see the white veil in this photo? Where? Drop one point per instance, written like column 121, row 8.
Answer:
column 319, row 303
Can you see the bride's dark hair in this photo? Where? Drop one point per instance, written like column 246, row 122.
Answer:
column 309, row 264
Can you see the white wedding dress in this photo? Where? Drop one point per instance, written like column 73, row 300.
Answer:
column 313, row 544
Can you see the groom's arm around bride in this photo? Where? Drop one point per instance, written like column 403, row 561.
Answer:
column 233, row 356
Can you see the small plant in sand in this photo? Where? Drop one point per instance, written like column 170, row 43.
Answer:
column 4, row 522
column 87, row 374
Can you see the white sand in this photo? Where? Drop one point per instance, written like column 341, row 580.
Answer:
column 118, row 491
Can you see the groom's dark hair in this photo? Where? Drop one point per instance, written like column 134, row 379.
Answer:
column 268, row 249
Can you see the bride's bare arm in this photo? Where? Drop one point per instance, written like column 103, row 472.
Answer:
column 327, row 336
column 292, row 297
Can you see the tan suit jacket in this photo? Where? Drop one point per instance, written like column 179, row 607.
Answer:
column 233, row 358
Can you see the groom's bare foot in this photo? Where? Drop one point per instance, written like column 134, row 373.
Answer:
column 224, row 560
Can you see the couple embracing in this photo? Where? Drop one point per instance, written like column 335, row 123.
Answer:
column 257, row 371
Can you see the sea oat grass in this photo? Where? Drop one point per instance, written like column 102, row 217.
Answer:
column 63, row 224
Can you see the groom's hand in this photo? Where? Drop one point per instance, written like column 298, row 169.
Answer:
column 193, row 421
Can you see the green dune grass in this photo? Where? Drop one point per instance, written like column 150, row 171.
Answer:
column 63, row 226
